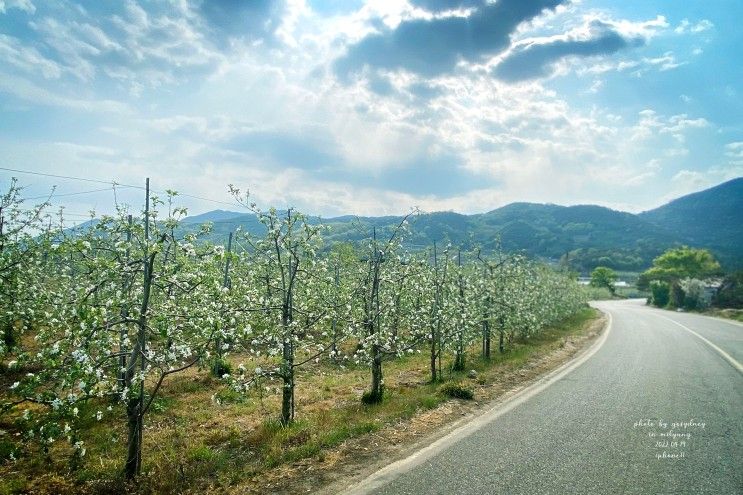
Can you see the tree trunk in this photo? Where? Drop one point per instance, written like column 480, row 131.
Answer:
column 435, row 318
column 334, row 323
column 287, row 372
column 377, row 384
column 133, row 464
column 433, row 355
column 287, row 375
column 373, row 323
column 486, row 339
column 501, row 329
column 135, row 405
column 459, row 358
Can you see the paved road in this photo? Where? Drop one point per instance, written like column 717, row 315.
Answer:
column 580, row 434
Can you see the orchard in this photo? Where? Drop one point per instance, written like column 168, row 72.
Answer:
column 95, row 321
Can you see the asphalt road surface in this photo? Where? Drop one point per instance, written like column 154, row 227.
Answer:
column 656, row 409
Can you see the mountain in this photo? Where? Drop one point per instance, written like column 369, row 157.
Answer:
column 584, row 236
column 212, row 216
column 711, row 218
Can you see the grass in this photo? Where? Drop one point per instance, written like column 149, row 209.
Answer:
column 457, row 391
column 726, row 313
column 194, row 444
column 632, row 293
column 730, row 314
column 603, row 294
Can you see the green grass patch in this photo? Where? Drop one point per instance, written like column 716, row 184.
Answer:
column 457, row 391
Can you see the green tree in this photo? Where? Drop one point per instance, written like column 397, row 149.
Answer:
column 602, row 276
column 679, row 263
column 675, row 265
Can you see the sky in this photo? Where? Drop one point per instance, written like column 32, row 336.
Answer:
column 371, row 107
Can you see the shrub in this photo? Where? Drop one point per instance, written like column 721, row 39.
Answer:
column 457, row 391
column 7, row 450
column 221, row 367
column 694, row 296
column 371, row 398
column 730, row 294
column 659, row 293
column 677, row 296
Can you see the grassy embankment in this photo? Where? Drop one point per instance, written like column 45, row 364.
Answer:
column 729, row 314
column 202, row 437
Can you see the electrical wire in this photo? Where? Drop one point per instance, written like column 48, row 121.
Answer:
column 117, row 184
column 53, row 195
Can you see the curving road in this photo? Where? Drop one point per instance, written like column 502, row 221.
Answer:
column 607, row 425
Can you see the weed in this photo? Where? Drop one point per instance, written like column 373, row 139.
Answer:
column 202, row 453
column 457, row 391
column 7, row 450
column 370, row 398
column 230, row 396
column 220, row 367
column 429, row 402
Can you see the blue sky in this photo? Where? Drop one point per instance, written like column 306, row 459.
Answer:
column 373, row 107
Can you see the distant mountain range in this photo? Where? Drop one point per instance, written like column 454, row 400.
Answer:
column 583, row 236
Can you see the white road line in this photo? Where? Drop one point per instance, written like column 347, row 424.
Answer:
column 391, row 471
column 730, row 359
column 724, row 320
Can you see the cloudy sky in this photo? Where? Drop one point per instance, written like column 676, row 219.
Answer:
column 372, row 107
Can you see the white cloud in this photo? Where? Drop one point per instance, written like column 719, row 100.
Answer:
column 666, row 62
column 596, row 86
column 644, row 29
column 734, row 151
column 682, row 122
column 688, row 181
column 30, row 92
column 638, row 67
column 26, row 58
column 24, row 5
column 145, row 49
column 687, row 27
column 651, row 124
column 521, row 142
column 691, row 180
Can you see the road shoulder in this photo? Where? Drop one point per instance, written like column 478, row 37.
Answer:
column 352, row 462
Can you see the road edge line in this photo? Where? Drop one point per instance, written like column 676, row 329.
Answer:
column 719, row 318
column 388, row 473
column 703, row 315
column 727, row 357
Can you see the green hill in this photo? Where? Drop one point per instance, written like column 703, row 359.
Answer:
column 712, row 218
column 584, row 236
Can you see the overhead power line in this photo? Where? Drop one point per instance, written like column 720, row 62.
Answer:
column 54, row 195
column 56, row 176
column 66, row 213
column 114, row 184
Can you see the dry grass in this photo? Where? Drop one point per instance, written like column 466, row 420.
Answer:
column 195, row 444
column 730, row 314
